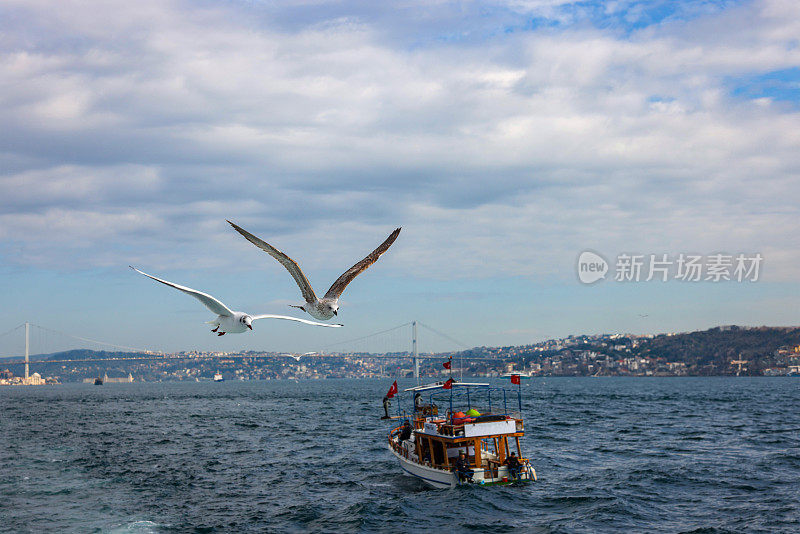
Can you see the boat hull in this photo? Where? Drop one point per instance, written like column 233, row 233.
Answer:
column 441, row 479
column 437, row 478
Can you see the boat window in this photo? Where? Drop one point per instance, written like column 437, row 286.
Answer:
column 438, row 452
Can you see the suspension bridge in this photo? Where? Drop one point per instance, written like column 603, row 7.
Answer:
column 49, row 346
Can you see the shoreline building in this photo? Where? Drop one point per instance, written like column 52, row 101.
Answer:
column 111, row 380
column 33, row 380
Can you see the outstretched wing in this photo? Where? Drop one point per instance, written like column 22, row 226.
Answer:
column 211, row 303
column 287, row 318
column 338, row 286
column 283, row 259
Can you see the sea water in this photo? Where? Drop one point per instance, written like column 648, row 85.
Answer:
column 612, row 455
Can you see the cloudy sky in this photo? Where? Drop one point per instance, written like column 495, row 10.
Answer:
column 505, row 137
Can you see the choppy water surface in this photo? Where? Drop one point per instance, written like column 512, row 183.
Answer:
column 612, row 454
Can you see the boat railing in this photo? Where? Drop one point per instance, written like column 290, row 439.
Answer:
column 395, row 444
column 494, row 469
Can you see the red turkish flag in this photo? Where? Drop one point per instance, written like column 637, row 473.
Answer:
column 392, row 390
column 515, row 379
column 446, row 364
column 448, row 384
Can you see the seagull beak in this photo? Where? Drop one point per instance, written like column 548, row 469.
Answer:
column 334, row 312
column 250, row 326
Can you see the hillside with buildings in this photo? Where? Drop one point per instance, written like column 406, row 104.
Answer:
column 730, row 350
column 726, row 350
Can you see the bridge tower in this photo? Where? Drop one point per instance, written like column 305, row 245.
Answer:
column 27, row 349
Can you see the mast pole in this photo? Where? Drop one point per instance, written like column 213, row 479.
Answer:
column 414, row 349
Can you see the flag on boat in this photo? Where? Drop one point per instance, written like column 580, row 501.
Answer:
column 392, row 390
column 515, row 379
column 447, row 364
column 448, row 384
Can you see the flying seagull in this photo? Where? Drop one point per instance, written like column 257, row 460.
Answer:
column 298, row 356
column 327, row 306
column 228, row 321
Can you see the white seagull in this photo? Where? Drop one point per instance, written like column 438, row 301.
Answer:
column 298, row 356
column 228, row 321
column 327, row 306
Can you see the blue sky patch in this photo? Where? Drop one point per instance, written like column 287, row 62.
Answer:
column 782, row 85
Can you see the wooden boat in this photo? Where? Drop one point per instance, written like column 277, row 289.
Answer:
column 436, row 439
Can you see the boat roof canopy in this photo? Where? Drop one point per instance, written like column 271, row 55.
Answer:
column 438, row 385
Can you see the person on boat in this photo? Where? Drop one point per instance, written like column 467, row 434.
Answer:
column 462, row 468
column 513, row 464
column 405, row 433
column 418, row 405
column 386, row 403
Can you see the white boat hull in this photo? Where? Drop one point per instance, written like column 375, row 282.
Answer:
column 437, row 478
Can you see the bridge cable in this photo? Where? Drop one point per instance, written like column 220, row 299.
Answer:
column 136, row 349
column 12, row 330
column 366, row 337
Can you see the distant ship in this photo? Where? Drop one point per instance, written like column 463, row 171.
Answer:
column 218, row 377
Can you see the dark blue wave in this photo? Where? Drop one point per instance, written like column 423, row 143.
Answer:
column 612, row 454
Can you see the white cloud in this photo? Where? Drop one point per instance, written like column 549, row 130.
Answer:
column 154, row 122
column 76, row 185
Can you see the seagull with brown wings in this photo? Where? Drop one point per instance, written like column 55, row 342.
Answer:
column 327, row 306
